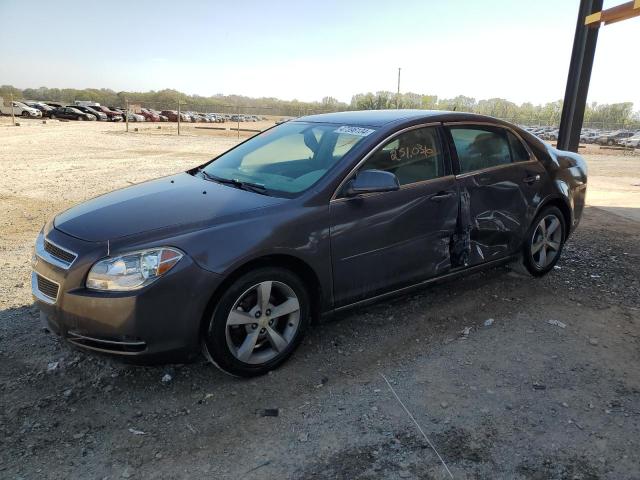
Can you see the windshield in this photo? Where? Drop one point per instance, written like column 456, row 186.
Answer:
column 289, row 158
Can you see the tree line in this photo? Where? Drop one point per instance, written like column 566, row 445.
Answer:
column 618, row 114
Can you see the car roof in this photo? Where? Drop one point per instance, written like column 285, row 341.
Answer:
column 379, row 118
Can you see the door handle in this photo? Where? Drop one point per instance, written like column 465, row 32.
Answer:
column 531, row 179
column 441, row 196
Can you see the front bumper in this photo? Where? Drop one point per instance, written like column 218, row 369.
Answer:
column 156, row 322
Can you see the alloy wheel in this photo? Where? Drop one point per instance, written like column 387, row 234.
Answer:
column 263, row 322
column 546, row 242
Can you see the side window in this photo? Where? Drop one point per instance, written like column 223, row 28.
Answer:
column 413, row 156
column 480, row 148
column 518, row 152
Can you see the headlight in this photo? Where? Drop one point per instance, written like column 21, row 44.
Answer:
column 134, row 270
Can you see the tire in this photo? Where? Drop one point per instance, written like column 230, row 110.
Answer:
column 257, row 341
column 543, row 245
column 25, row 114
column 80, row 119
column 52, row 116
column 610, row 142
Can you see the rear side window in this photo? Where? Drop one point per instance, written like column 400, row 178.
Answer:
column 413, row 156
column 480, row 148
column 518, row 152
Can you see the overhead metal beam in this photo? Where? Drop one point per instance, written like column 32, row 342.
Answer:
column 575, row 97
column 614, row 14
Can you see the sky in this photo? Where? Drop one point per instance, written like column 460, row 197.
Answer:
column 513, row 49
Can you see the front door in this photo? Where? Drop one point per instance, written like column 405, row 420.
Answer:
column 388, row 240
column 499, row 184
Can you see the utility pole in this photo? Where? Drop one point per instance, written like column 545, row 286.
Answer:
column 238, row 121
column 398, row 95
column 126, row 114
column 13, row 116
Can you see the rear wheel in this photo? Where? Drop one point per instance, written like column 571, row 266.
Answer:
column 544, row 242
column 258, row 322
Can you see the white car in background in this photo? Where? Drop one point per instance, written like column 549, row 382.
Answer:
column 19, row 110
column 633, row 141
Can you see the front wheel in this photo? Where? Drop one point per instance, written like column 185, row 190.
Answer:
column 80, row 119
column 258, row 322
column 25, row 114
column 544, row 242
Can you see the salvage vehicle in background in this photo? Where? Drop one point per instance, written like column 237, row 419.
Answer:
column 633, row 142
column 43, row 107
column 172, row 115
column 613, row 138
column 149, row 115
column 162, row 118
column 91, row 111
column 313, row 216
column 112, row 115
column 133, row 117
column 19, row 109
column 71, row 113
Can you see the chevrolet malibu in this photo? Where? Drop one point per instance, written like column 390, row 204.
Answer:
column 235, row 258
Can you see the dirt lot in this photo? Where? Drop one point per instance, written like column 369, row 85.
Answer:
column 510, row 377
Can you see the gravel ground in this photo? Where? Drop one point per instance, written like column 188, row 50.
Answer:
column 509, row 377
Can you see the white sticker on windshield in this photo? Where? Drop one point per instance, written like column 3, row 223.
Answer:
column 358, row 131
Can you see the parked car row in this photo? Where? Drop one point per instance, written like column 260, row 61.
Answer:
column 591, row 135
column 85, row 110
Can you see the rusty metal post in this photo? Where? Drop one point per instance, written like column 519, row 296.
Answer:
column 575, row 97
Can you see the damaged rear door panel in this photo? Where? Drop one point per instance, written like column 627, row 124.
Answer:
column 500, row 183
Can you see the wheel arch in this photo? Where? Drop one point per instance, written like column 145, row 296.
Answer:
column 289, row 262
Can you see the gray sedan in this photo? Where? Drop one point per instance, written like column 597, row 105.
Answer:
column 236, row 257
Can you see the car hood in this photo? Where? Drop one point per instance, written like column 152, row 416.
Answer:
column 176, row 201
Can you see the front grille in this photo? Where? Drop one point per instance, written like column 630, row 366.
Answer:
column 59, row 253
column 47, row 287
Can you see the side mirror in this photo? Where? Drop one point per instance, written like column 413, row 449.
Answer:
column 372, row 181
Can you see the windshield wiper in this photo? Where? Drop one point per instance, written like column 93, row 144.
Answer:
column 249, row 186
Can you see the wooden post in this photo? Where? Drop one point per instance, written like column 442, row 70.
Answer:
column 13, row 116
column 398, row 95
column 238, row 121
column 126, row 114
column 178, row 116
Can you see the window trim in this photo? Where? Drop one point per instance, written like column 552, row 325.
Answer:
column 454, row 151
column 387, row 139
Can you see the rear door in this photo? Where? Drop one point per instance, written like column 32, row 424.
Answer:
column 382, row 241
column 499, row 182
